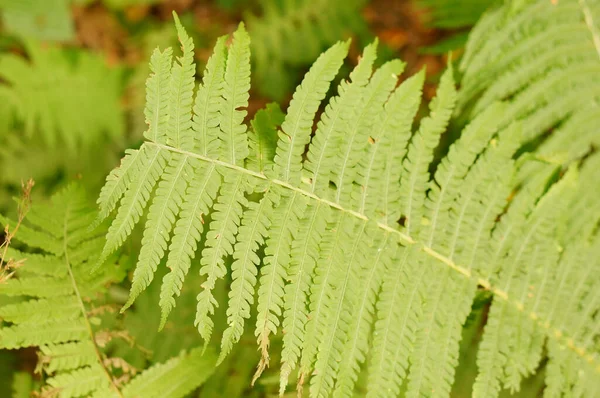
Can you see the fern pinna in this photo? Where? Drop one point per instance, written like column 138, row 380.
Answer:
column 370, row 264
column 57, row 305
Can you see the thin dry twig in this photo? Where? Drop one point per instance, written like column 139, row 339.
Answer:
column 8, row 266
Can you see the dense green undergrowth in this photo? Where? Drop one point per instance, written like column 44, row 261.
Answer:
column 356, row 241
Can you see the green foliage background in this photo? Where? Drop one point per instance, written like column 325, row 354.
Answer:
column 72, row 95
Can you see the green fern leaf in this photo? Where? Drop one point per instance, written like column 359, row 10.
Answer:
column 157, row 98
column 397, row 314
column 262, row 140
column 365, row 228
column 176, row 378
column 330, row 128
column 284, row 225
column 297, row 126
column 161, row 217
column 197, row 202
column 234, row 141
column 252, row 233
column 279, row 51
column 80, row 382
column 357, row 344
column 68, row 356
column 449, row 174
column 379, row 171
column 338, row 309
column 37, row 87
column 420, row 152
column 336, row 232
column 208, row 102
column 181, row 91
column 304, row 252
column 135, row 199
column 36, row 311
column 117, row 182
column 355, row 142
column 59, row 321
column 220, row 240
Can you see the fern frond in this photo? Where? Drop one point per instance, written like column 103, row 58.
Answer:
column 284, row 226
column 58, row 322
column 356, row 140
column 420, row 152
column 61, row 325
column 161, row 217
column 557, row 55
column 297, row 126
column 449, row 174
column 262, row 140
column 174, row 378
column 38, row 264
column 397, row 312
column 342, row 301
column 304, row 254
column 208, row 102
column 117, row 182
column 252, row 234
column 333, row 123
column 220, row 241
column 36, row 311
column 68, row 356
column 468, row 239
column 80, row 382
column 181, row 91
column 364, row 229
column 338, row 309
column 38, row 103
column 328, row 250
column 135, row 199
column 198, row 200
column 279, row 50
column 380, row 170
column 54, row 331
column 37, row 238
column 234, row 141
column 157, row 96
column 523, row 259
column 357, row 345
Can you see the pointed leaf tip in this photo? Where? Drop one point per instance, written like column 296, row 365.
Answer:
column 221, row 358
column 129, row 302
column 450, row 58
column 163, row 321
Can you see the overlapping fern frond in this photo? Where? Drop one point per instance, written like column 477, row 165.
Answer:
column 50, row 288
column 370, row 262
column 451, row 14
column 56, row 306
column 289, row 35
column 544, row 57
column 68, row 100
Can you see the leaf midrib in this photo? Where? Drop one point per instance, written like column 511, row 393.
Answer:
column 552, row 332
column 84, row 314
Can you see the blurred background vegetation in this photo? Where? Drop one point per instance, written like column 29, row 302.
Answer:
column 72, row 72
column 72, row 76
